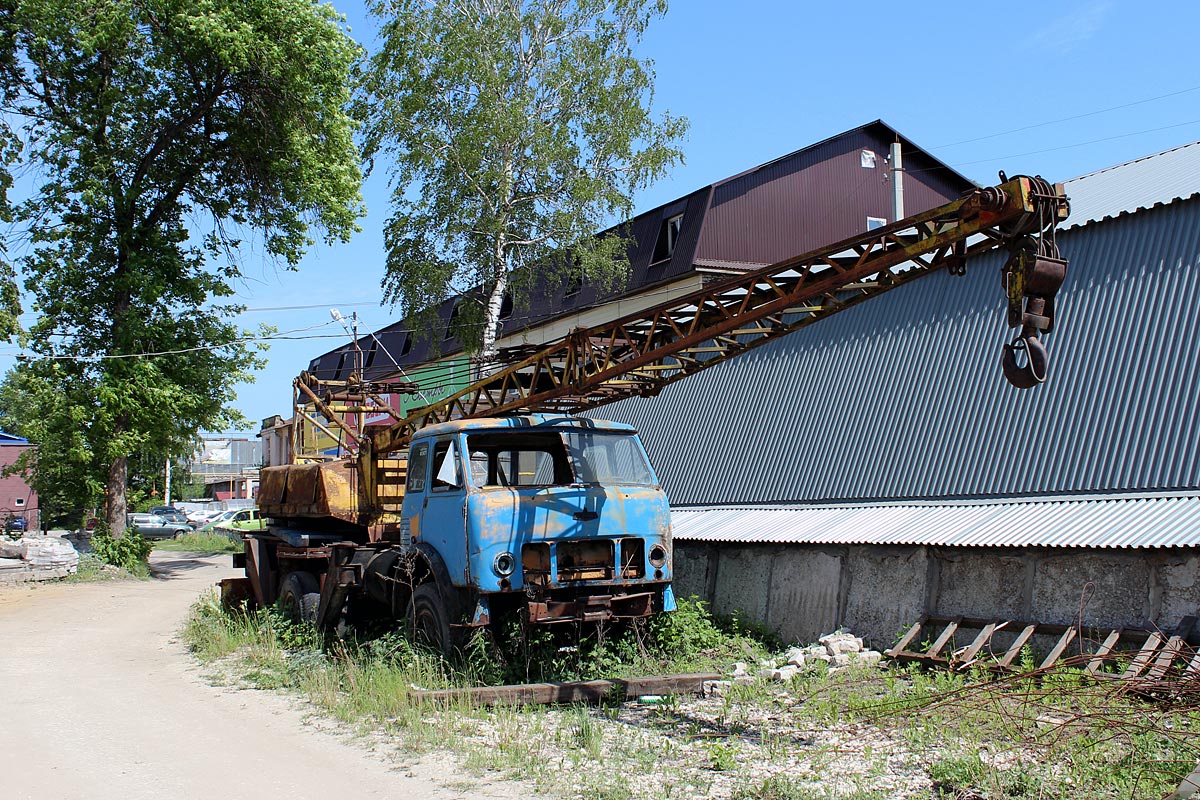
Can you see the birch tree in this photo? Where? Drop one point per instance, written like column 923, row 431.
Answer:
column 514, row 130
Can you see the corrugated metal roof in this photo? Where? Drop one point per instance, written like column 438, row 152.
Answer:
column 903, row 397
column 1141, row 522
column 1143, row 183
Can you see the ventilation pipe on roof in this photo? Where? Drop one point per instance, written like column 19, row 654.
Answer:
column 897, row 160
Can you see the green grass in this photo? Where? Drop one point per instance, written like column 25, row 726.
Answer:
column 948, row 735
column 93, row 570
column 200, row 543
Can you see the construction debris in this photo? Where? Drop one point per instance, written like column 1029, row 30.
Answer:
column 836, row 650
column 34, row 557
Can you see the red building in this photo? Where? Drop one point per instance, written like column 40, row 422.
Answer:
column 17, row 499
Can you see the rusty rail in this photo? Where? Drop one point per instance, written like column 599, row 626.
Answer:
column 571, row 692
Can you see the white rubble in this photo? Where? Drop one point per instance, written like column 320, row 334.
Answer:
column 838, row 650
column 839, row 643
column 41, row 557
column 795, row 656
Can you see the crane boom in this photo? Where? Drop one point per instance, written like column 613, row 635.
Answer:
column 641, row 353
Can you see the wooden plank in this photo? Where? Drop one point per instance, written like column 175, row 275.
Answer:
column 904, row 641
column 1153, row 641
column 1014, row 649
column 1193, row 667
column 1166, row 657
column 572, row 692
column 1064, row 640
column 940, row 642
column 1101, row 654
column 981, row 640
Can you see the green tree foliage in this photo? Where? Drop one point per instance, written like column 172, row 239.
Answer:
column 516, row 129
column 160, row 134
column 49, row 403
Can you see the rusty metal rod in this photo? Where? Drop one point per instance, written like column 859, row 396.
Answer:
column 572, row 692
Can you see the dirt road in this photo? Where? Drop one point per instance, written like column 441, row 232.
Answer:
column 99, row 700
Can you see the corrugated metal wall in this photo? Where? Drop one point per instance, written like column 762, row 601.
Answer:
column 902, row 397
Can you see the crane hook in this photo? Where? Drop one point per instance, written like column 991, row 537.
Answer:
column 1033, row 371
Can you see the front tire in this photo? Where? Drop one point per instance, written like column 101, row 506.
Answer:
column 426, row 619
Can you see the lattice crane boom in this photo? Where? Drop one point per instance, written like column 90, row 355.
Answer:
column 641, row 353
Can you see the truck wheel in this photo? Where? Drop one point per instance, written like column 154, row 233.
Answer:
column 426, row 619
column 293, row 593
column 309, row 603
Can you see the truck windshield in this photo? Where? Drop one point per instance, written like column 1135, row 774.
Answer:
column 608, row 458
column 544, row 458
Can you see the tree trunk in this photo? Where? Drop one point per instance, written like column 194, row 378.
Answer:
column 114, row 492
column 491, row 324
column 491, row 312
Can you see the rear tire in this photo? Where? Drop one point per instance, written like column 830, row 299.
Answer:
column 294, row 596
column 309, row 604
column 426, row 620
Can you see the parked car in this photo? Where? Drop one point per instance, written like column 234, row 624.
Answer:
column 172, row 514
column 16, row 524
column 153, row 526
column 246, row 519
column 199, row 518
column 212, row 524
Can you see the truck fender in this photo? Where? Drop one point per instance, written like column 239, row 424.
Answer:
column 417, row 564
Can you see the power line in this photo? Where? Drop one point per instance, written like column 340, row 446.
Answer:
column 1080, row 144
column 1071, row 118
column 179, row 351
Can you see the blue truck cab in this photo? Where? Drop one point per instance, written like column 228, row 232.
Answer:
column 559, row 518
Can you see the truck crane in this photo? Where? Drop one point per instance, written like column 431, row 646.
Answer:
column 498, row 500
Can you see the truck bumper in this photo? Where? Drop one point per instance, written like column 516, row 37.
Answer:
column 592, row 608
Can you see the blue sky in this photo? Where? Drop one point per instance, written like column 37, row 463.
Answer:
column 980, row 85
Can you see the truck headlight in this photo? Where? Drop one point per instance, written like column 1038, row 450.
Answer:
column 504, row 564
column 658, row 555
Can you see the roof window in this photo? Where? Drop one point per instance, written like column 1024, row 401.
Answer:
column 668, row 236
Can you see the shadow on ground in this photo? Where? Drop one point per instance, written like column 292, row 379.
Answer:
column 178, row 565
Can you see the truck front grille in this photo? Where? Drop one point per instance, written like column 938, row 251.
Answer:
column 586, row 560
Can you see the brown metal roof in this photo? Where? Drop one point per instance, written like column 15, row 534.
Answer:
column 792, row 204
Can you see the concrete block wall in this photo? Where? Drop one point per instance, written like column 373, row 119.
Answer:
column 802, row 591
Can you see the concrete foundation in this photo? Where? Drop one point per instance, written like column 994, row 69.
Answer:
column 802, row 591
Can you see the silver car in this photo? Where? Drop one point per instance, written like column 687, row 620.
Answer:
column 152, row 526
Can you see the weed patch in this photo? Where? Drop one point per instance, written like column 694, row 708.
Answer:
column 200, row 543
column 93, row 569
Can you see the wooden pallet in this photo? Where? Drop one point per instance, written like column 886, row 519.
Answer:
column 1154, row 657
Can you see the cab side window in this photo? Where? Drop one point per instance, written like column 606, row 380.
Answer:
column 418, row 464
column 443, row 472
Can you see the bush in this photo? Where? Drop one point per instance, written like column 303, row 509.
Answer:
column 687, row 630
column 130, row 552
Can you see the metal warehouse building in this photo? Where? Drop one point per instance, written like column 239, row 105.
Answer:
column 876, row 468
